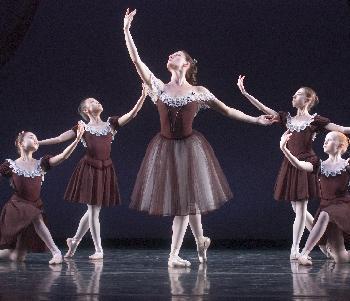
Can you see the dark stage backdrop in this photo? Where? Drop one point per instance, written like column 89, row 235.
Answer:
column 76, row 49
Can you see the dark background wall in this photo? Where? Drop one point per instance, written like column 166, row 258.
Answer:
column 75, row 49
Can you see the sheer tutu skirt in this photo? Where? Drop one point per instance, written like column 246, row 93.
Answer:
column 180, row 177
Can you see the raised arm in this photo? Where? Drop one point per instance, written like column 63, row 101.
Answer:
column 338, row 128
column 302, row 165
column 232, row 113
column 132, row 114
column 253, row 100
column 68, row 135
column 69, row 149
column 141, row 68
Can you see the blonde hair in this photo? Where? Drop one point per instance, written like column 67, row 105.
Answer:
column 312, row 96
column 343, row 140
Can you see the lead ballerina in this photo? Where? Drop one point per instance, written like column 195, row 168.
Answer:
column 180, row 175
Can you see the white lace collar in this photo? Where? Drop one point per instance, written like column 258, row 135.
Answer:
column 157, row 92
column 98, row 132
column 37, row 172
column 326, row 171
column 299, row 127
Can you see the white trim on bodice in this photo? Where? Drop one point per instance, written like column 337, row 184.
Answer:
column 157, row 92
column 98, row 132
column 334, row 172
column 37, row 172
column 299, row 127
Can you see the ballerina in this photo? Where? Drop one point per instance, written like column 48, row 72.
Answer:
column 180, row 175
column 22, row 227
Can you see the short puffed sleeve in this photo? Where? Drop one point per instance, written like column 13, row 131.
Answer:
column 203, row 98
column 320, row 123
column 5, row 169
column 45, row 163
column 282, row 117
column 114, row 122
column 155, row 89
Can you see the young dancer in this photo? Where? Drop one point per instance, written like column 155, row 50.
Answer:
column 332, row 218
column 94, row 181
column 293, row 185
column 22, row 228
column 180, row 175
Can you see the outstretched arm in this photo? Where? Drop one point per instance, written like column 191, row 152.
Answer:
column 141, row 68
column 232, row 113
column 69, row 149
column 132, row 114
column 338, row 128
column 302, row 165
column 255, row 102
column 68, row 135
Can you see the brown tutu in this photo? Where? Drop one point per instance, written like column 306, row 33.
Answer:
column 296, row 185
column 16, row 220
column 180, row 177
column 93, row 182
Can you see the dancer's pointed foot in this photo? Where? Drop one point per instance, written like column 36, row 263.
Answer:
column 177, row 261
column 72, row 247
column 202, row 247
column 304, row 260
column 96, row 256
column 56, row 258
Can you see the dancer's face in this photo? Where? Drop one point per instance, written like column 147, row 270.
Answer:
column 331, row 145
column 177, row 61
column 300, row 99
column 29, row 142
column 92, row 106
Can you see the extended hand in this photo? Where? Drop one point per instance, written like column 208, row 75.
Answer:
column 240, row 84
column 129, row 16
column 266, row 119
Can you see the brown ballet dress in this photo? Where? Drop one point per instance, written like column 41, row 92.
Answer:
column 24, row 206
column 293, row 184
column 180, row 174
column 334, row 196
column 94, row 181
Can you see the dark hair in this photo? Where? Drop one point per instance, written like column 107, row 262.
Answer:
column 191, row 74
column 311, row 94
column 81, row 109
column 19, row 140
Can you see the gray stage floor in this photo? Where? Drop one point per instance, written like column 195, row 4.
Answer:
column 130, row 274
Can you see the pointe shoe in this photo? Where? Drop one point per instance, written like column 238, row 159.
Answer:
column 202, row 247
column 304, row 260
column 56, row 258
column 72, row 247
column 294, row 255
column 177, row 261
column 96, row 256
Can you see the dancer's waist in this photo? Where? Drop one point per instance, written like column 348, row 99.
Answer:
column 99, row 164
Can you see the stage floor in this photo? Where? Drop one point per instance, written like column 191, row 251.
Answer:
column 139, row 274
